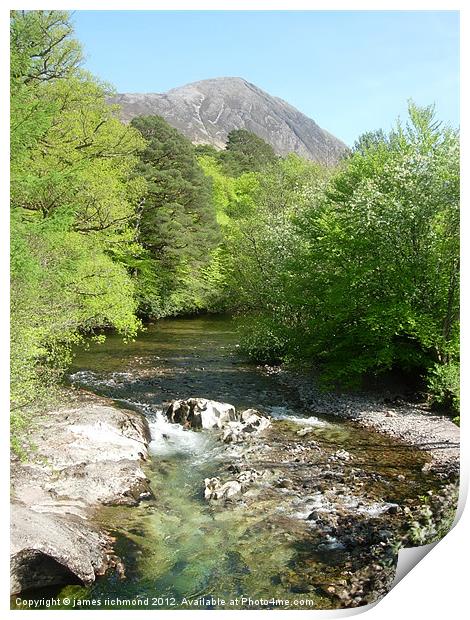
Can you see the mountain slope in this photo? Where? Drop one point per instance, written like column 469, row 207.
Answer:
column 206, row 111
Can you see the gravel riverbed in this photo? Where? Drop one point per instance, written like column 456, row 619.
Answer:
column 411, row 422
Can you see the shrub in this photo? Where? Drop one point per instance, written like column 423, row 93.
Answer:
column 262, row 341
column 444, row 385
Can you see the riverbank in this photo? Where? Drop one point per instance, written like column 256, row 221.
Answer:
column 81, row 455
column 392, row 415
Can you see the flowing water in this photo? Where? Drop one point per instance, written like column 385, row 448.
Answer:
column 180, row 550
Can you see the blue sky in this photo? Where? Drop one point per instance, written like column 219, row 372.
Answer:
column 351, row 71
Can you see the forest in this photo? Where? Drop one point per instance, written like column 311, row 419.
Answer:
column 352, row 270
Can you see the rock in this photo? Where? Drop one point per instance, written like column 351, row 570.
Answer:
column 233, row 433
column 50, row 549
column 254, row 421
column 214, row 489
column 250, row 422
column 285, row 484
column 305, row 431
column 252, row 416
column 206, row 111
column 85, row 457
column 200, row 413
column 93, row 457
column 247, row 414
column 246, row 477
column 341, row 455
column 232, row 487
column 210, row 487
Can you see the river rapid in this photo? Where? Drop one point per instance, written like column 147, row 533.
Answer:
column 328, row 502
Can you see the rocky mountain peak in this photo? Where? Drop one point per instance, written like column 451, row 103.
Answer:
column 206, row 111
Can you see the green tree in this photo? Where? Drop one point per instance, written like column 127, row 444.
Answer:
column 357, row 270
column 208, row 150
column 368, row 141
column 257, row 212
column 178, row 226
column 74, row 195
column 378, row 273
column 246, row 152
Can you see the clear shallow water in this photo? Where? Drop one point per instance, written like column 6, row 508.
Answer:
column 178, row 547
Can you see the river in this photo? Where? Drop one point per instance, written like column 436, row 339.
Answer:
column 182, row 551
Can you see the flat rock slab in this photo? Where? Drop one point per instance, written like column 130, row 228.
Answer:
column 50, row 548
column 83, row 457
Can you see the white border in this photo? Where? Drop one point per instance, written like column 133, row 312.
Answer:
column 437, row 586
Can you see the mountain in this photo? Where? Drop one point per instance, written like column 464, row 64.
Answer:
column 206, row 111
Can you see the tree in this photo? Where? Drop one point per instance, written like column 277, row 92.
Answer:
column 208, row 150
column 257, row 212
column 246, row 152
column 42, row 46
column 356, row 270
column 368, row 141
column 73, row 205
column 178, row 226
column 377, row 277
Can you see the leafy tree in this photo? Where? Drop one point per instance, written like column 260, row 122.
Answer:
column 42, row 46
column 256, row 211
column 262, row 236
column 73, row 198
column 376, row 279
column 208, row 150
column 357, row 271
column 368, row 141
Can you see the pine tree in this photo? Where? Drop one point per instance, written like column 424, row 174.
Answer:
column 246, row 152
column 178, row 225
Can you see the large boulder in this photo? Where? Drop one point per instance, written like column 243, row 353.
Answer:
column 201, row 413
column 197, row 413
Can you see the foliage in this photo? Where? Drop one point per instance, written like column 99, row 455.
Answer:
column 178, row 226
column 245, row 152
column 262, row 340
column 433, row 519
column 208, row 150
column 355, row 270
column 230, row 195
column 42, row 46
column 369, row 140
column 444, row 385
column 256, row 211
column 73, row 206
column 360, row 274
column 379, row 269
